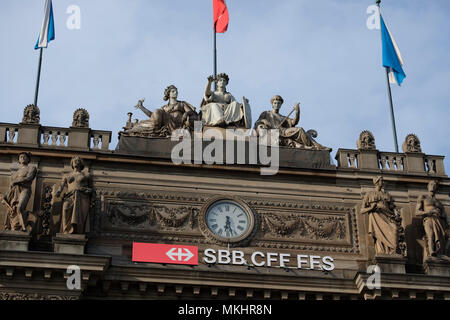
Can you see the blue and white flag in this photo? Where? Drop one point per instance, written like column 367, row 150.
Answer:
column 48, row 27
column 392, row 58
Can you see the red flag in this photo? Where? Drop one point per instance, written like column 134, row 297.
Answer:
column 221, row 17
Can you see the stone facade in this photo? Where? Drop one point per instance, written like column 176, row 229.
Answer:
column 302, row 210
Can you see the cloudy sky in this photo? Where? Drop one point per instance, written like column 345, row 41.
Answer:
column 318, row 53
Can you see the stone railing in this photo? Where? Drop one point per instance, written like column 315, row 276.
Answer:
column 409, row 162
column 35, row 135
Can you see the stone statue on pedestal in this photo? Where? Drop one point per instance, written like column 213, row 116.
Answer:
column 435, row 221
column 290, row 135
column 162, row 122
column 411, row 144
column 80, row 118
column 383, row 219
column 220, row 109
column 77, row 199
column 18, row 195
column 366, row 141
column 31, row 114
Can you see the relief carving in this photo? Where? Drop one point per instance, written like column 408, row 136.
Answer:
column 141, row 215
column 306, row 226
column 411, row 144
column 31, row 114
column 366, row 141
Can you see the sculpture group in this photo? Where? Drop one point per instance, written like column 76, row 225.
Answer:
column 220, row 109
column 385, row 221
column 75, row 191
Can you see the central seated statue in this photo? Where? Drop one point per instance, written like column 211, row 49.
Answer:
column 220, row 109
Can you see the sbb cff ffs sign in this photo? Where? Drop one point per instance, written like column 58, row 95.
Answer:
column 165, row 253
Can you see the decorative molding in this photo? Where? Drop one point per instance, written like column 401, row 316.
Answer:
column 33, row 296
column 305, row 226
column 152, row 216
column 148, row 215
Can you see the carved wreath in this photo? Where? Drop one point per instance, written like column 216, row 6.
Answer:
column 141, row 215
column 323, row 228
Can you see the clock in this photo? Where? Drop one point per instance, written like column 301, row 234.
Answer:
column 227, row 221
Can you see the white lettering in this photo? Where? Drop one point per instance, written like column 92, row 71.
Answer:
column 284, row 258
column 313, row 260
column 300, row 260
column 224, row 257
column 271, row 257
column 328, row 264
column 211, row 254
column 258, row 264
column 238, row 258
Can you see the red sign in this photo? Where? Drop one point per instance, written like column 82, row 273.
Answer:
column 165, row 253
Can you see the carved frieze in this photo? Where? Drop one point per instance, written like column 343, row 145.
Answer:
column 33, row 296
column 305, row 226
column 148, row 216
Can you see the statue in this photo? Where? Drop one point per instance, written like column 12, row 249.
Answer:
column 76, row 200
column 174, row 115
column 80, row 118
column 435, row 221
column 411, row 144
column 383, row 219
column 31, row 114
column 18, row 195
column 290, row 136
column 220, row 109
column 366, row 141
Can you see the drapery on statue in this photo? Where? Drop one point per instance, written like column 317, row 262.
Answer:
column 383, row 220
column 18, row 195
column 290, row 136
column 174, row 115
column 220, row 109
column 77, row 199
column 435, row 221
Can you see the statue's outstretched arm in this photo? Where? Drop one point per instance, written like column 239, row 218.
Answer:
column 296, row 119
column 208, row 87
column 141, row 107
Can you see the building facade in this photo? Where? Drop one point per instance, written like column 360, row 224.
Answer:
column 311, row 231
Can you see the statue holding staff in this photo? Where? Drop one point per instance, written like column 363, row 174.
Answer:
column 18, row 195
column 290, row 135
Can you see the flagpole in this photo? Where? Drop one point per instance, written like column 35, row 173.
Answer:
column 215, row 59
column 394, row 130
column 36, row 92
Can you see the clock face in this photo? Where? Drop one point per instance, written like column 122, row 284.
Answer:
column 227, row 219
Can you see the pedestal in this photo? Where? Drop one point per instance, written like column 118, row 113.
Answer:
column 14, row 240
column 437, row 266
column 69, row 243
column 391, row 263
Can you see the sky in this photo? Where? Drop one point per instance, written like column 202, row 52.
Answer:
column 319, row 53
